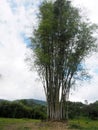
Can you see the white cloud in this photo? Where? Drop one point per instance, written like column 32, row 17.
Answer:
column 88, row 91
column 89, row 8
column 16, row 81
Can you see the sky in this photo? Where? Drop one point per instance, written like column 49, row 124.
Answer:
column 17, row 20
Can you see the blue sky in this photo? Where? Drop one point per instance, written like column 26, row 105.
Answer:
column 17, row 20
column 25, row 39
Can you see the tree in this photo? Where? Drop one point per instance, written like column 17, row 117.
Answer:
column 61, row 42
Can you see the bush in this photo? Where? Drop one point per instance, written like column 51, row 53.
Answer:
column 19, row 110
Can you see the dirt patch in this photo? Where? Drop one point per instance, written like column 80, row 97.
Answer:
column 53, row 126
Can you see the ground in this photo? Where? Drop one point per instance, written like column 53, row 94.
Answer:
column 28, row 124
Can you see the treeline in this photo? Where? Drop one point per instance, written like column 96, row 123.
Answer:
column 78, row 109
column 22, row 109
column 34, row 109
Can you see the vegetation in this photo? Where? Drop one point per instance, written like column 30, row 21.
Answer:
column 28, row 124
column 34, row 109
column 83, row 124
column 82, row 117
column 22, row 109
column 78, row 110
column 61, row 42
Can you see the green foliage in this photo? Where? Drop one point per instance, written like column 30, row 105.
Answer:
column 77, row 110
column 62, row 34
column 34, row 109
column 92, row 111
column 14, row 110
column 39, row 112
column 22, row 109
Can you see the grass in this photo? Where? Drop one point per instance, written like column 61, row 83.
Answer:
column 83, row 124
column 29, row 124
column 17, row 124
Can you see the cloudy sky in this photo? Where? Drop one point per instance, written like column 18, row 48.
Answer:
column 17, row 19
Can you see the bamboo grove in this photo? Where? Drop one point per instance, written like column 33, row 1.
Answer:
column 60, row 42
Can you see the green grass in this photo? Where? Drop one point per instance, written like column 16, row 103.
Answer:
column 17, row 124
column 83, row 124
column 29, row 124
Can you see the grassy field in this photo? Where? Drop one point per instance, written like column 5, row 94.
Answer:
column 27, row 124
column 83, row 124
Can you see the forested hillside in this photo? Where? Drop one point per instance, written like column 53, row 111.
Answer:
column 25, row 108
column 36, row 109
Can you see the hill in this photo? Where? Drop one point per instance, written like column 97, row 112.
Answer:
column 24, row 108
column 37, row 109
column 31, row 102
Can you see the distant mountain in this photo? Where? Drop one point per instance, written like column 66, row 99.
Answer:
column 1, row 100
column 40, row 102
column 27, row 101
column 31, row 102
